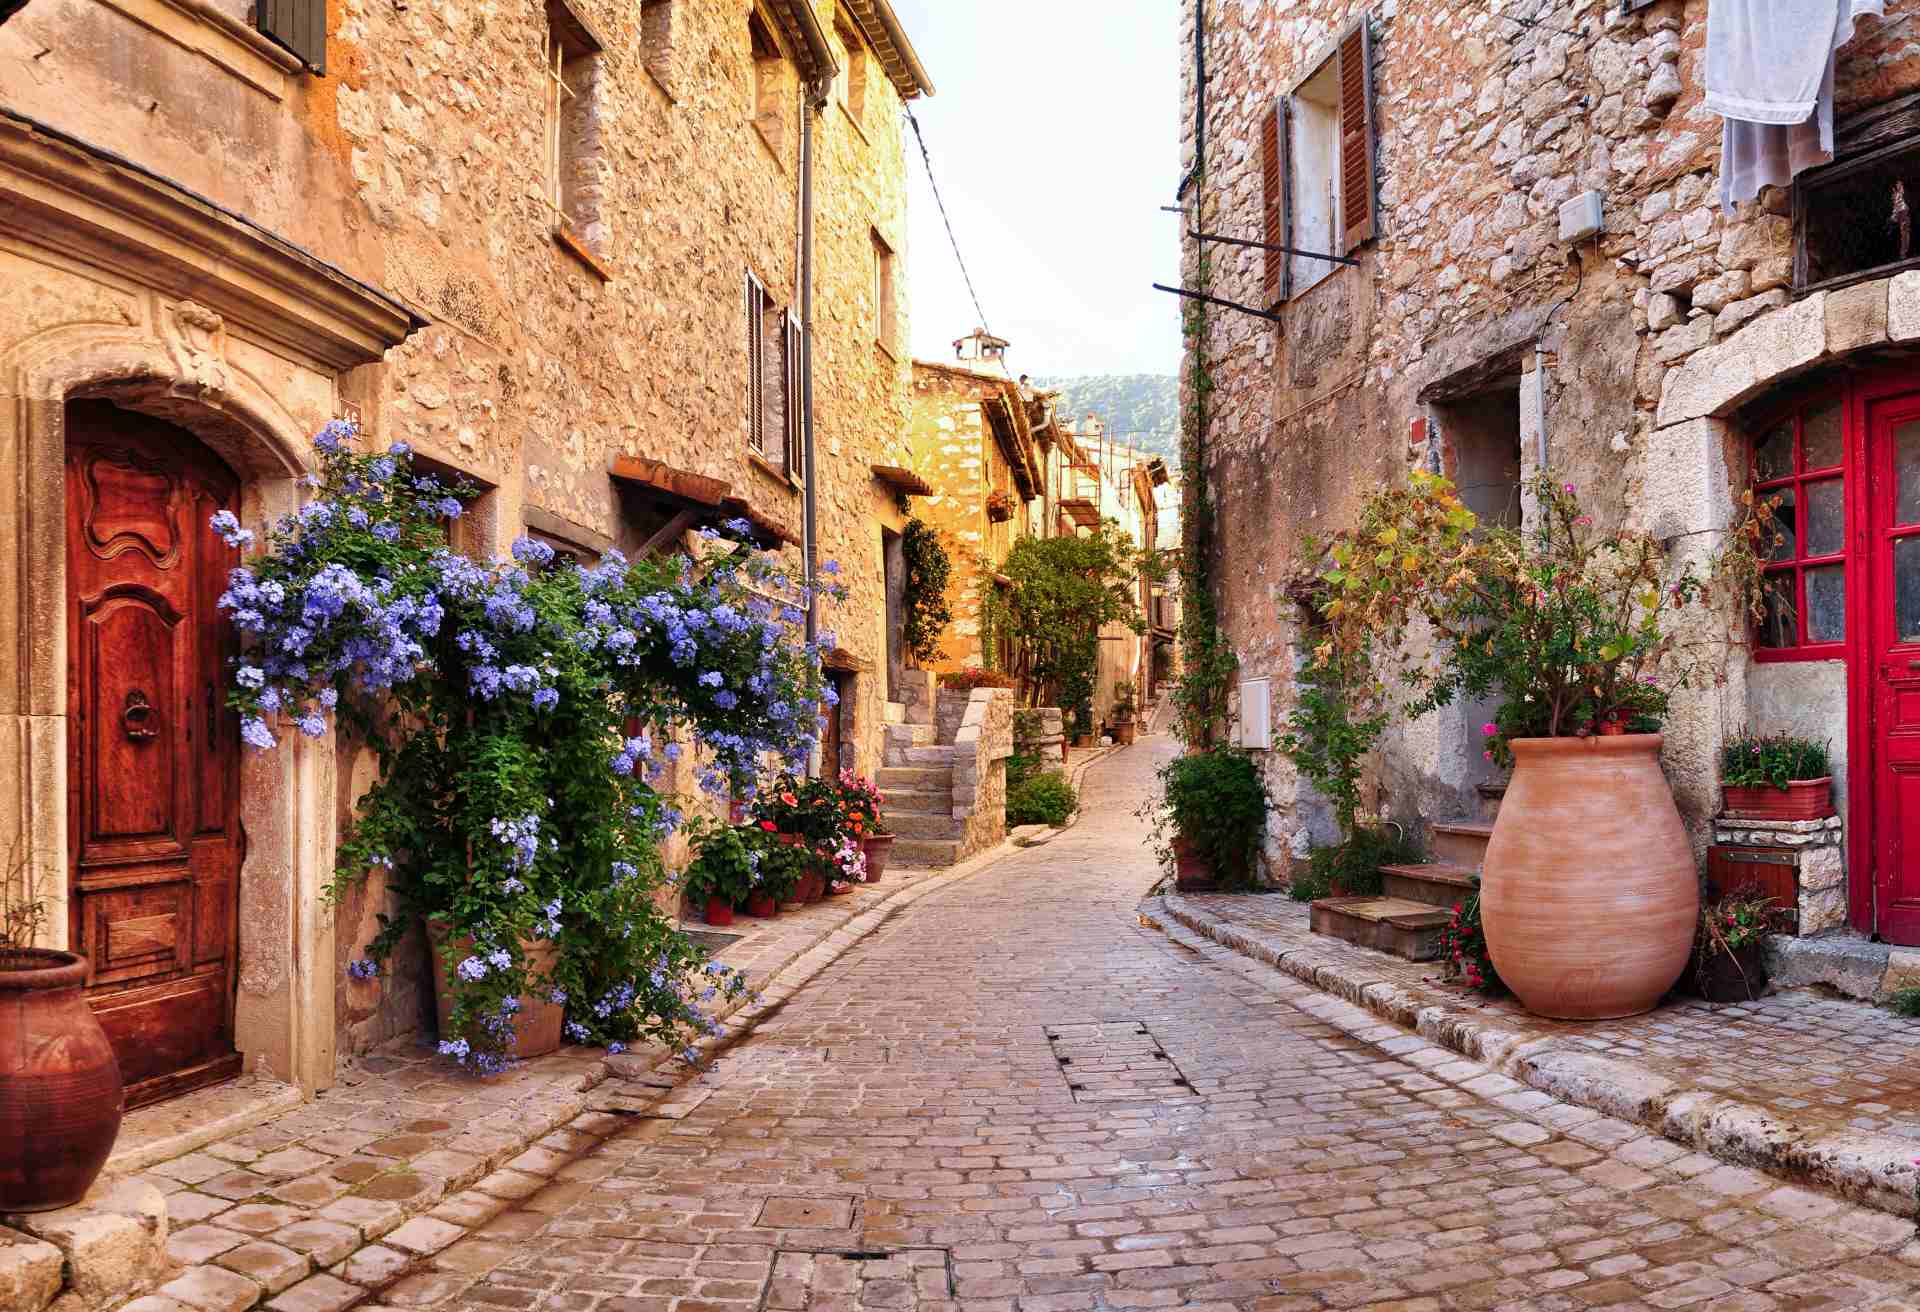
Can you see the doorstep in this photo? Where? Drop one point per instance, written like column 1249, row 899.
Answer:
column 1819, row 1089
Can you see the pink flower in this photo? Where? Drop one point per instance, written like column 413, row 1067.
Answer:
column 1489, row 729
column 1567, row 488
column 1583, row 520
column 1488, row 755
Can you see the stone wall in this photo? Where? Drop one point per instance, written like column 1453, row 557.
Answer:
column 982, row 745
column 411, row 180
column 1469, row 328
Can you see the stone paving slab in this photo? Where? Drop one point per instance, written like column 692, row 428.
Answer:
column 411, row 1177
column 1813, row 1087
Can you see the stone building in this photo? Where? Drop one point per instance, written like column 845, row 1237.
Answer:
column 628, row 267
column 1458, row 309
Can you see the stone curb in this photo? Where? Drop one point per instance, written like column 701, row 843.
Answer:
column 1877, row 1171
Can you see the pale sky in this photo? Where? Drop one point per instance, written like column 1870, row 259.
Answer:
column 1055, row 136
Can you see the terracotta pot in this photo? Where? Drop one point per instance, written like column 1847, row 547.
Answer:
column 762, row 905
column 536, row 1026
column 1589, row 894
column 813, row 887
column 736, row 811
column 878, row 848
column 60, row 1093
column 838, row 889
column 1192, row 872
column 1612, row 728
column 1741, row 977
column 1123, row 732
column 719, row 911
column 1801, row 799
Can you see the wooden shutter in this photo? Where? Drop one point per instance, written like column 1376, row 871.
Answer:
column 1356, row 137
column 793, row 344
column 1273, row 183
column 299, row 25
column 756, row 366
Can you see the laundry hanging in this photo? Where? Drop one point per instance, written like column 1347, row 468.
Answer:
column 1770, row 77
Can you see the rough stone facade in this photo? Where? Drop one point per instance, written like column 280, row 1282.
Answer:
column 1471, row 340
column 380, row 241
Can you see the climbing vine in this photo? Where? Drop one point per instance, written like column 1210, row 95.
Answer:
column 927, row 611
column 1207, row 663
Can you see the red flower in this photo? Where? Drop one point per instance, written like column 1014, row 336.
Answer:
column 770, row 826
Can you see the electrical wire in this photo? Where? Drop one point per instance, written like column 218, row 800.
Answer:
column 927, row 159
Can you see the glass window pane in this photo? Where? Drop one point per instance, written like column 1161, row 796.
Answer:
column 1826, row 604
column 1906, row 589
column 1906, row 472
column 1786, row 531
column 1773, row 453
column 1820, row 436
column 1777, row 626
column 1826, row 524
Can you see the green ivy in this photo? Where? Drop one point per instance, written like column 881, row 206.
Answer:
column 1207, row 663
column 927, row 611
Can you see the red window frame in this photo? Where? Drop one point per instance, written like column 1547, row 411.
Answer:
column 1795, row 482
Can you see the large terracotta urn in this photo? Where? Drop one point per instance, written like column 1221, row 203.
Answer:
column 60, row 1093
column 1589, row 894
column 536, row 1025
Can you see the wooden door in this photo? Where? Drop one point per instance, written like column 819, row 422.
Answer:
column 894, row 566
column 153, row 753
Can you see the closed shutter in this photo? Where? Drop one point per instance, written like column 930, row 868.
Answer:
column 1356, row 137
column 299, row 25
column 756, row 366
column 1273, row 184
column 794, row 344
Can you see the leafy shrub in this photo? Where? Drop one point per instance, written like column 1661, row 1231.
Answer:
column 1022, row 766
column 725, row 865
column 1906, row 1001
column 1041, row 799
column 1353, row 866
column 925, row 599
column 978, row 678
column 1754, row 762
column 1463, row 947
column 1217, row 802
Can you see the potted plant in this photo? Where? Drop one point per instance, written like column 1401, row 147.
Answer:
column 1777, row 777
column 1209, row 819
column 1565, row 625
column 60, row 1091
column 723, row 870
column 860, row 802
column 1728, row 960
column 1123, row 709
column 776, row 873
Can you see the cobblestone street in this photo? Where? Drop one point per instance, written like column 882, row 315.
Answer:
column 1015, row 1096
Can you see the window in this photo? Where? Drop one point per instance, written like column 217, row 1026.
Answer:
column 886, row 296
column 1797, row 463
column 1853, row 219
column 1316, row 167
column 851, row 86
column 772, row 98
column 576, row 102
column 774, row 360
column 299, row 25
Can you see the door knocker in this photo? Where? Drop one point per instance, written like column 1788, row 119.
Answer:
column 140, row 719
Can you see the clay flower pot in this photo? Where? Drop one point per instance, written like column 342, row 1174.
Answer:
column 719, row 911
column 878, row 848
column 60, row 1093
column 1192, row 872
column 1801, row 799
column 762, row 905
column 1731, row 977
column 1589, row 895
column 536, row 1026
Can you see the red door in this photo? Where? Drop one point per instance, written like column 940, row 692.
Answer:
column 153, row 753
column 1893, row 638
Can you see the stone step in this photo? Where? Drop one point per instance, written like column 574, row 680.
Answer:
column 1462, row 842
column 1386, row 924
column 925, row 851
column 927, row 756
column 927, row 801
column 924, row 824
column 896, row 778
column 1438, row 883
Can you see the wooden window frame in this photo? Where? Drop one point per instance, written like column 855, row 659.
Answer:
column 1796, row 482
column 1861, row 142
column 886, row 295
column 781, row 454
column 1356, row 159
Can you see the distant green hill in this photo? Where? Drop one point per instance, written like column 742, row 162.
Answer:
column 1139, row 410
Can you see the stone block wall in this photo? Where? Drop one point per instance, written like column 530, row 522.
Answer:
column 1627, row 357
column 981, row 747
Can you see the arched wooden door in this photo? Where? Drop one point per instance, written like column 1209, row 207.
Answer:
column 153, row 777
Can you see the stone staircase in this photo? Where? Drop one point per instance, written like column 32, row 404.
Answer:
column 1415, row 901
column 916, row 777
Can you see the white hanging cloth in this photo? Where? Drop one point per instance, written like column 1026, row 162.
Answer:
column 1770, row 77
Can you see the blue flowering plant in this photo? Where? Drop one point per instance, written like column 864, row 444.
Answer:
column 530, row 717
